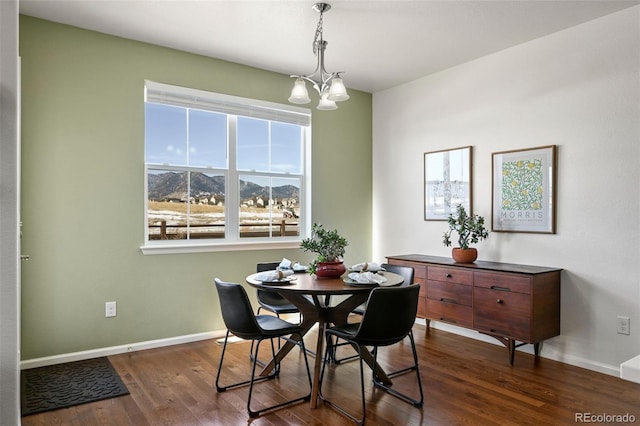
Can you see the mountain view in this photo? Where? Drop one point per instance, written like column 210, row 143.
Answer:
column 173, row 186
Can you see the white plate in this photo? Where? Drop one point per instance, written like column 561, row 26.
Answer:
column 375, row 271
column 285, row 280
column 349, row 281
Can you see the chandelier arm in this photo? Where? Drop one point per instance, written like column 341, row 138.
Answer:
column 314, row 84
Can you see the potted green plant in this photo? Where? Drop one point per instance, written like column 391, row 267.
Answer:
column 330, row 248
column 470, row 230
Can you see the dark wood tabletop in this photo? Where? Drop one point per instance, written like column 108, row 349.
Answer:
column 309, row 284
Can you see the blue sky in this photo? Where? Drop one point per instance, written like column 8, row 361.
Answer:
column 167, row 131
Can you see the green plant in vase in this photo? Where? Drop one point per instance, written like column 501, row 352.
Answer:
column 329, row 247
column 470, row 230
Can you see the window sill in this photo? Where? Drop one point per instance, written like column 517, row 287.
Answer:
column 180, row 248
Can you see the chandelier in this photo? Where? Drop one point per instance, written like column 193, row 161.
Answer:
column 329, row 86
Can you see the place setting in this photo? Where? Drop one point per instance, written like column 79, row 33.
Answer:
column 289, row 265
column 283, row 274
column 367, row 274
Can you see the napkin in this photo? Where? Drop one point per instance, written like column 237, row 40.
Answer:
column 367, row 266
column 367, row 278
column 287, row 264
column 273, row 275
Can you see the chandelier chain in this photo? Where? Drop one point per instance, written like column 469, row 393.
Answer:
column 318, row 35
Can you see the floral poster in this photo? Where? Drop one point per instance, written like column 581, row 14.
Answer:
column 524, row 190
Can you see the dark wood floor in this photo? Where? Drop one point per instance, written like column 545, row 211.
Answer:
column 465, row 381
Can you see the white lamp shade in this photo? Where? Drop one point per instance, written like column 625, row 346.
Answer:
column 337, row 91
column 299, row 94
column 325, row 104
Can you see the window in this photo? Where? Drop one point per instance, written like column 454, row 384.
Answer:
column 223, row 172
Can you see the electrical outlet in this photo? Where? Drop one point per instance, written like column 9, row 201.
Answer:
column 623, row 325
column 110, row 309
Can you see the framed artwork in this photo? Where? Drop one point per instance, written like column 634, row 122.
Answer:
column 447, row 182
column 524, row 190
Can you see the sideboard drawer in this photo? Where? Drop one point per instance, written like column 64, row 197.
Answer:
column 503, row 313
column 449, row 312
column 452, row 293
column 504, row 282
column 452, row 275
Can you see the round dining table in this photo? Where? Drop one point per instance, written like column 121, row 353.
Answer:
column 309, row 293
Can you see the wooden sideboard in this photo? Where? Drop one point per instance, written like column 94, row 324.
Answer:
column 516, row 304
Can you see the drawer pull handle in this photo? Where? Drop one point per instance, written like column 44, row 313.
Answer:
column 448, row 320
column 495, row 287
column 499, row 301
column 447, row 300
column 447, row 275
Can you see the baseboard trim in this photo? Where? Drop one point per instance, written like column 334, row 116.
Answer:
column 547, row 350
column 120, row 349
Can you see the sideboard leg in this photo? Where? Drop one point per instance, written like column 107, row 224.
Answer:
column 427, row 328
column 536, row 349
column 512, row 350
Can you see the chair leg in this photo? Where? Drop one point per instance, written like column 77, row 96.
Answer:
column 220, row 388
column 415, row 402
column 251, row 356
column 307, row 397
column 334, row 348
column 279, row 338
column 327, row 357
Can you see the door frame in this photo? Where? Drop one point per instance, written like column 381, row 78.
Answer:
column 9, row 214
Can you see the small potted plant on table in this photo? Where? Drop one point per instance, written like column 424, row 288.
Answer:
column 470, row 230
column 330, row 248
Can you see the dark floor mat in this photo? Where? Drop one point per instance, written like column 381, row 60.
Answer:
column 64, row 385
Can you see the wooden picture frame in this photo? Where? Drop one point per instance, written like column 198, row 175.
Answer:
column 524, row 190
column 447, row 182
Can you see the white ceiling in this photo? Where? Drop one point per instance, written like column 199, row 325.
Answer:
column 378, row 44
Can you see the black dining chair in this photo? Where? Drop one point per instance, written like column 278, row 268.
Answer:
column 388, row 319
column 239, row 319
column 407, row 272
column 274, row 302
column 270, row 301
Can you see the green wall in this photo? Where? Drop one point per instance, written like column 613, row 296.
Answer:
column 83, row 191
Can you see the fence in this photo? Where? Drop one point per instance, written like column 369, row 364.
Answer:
column 163, row 231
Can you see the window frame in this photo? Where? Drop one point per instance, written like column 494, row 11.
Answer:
column 233, row 107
